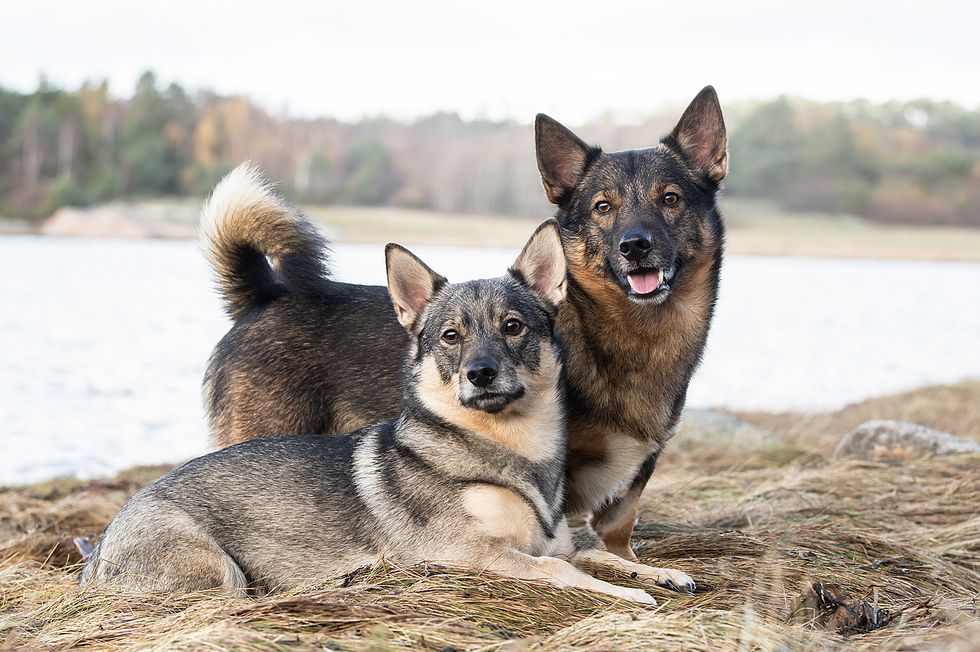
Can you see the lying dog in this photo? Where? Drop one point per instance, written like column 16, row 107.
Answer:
column 471, row 473
column 644, row 239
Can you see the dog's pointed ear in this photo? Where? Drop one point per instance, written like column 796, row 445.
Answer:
column 562, row 157
column 701, row 135
column 541, row 265
column 411, row 284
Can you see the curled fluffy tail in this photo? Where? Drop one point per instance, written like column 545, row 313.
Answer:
column 259, row 246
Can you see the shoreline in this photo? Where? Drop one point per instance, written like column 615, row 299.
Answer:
column 739, row 242
column 753, row 228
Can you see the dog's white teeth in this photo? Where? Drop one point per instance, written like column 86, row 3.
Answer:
column 661, row 273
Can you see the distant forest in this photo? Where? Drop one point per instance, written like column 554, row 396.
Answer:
column 915, row 162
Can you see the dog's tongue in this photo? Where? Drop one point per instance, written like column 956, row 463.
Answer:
column 644, row 282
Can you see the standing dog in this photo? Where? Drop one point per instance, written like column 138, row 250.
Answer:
column 471, row 473
column 644, row 242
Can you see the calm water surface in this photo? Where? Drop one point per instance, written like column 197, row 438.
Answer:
column 103, row 342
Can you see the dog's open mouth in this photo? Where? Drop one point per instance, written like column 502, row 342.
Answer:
column 651, row 282
column 492, row 402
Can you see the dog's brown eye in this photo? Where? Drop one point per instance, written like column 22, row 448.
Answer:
column 513, row 327
column 671, row 198
column 450, row 336
column 603, row 207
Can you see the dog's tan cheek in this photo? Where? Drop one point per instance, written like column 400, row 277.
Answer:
column 432, row 384
column 547, row 370
column 707, row 236
column 577, row 254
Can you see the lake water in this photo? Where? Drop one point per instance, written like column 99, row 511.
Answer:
column 103, row 342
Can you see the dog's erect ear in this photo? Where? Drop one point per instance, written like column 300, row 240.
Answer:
column 411, row 284
column 562, row 157
column 701, row 135
column 541, row 265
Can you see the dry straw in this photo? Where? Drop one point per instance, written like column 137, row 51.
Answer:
column 756, row 531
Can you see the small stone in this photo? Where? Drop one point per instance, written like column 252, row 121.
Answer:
column 896, row 441
column 712, row 430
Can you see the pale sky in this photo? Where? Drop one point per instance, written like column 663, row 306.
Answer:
column 503, row 58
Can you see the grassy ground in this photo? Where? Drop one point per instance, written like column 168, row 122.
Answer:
column 950, row 408
column 759, row 228
column 755, row 530
column 755, row 228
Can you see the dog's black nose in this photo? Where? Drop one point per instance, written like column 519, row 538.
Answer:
column 635, row 245
column 482, row 372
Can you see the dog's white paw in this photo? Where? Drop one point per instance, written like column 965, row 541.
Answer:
column 667, row 577
column 636, row 595
column 670, row 578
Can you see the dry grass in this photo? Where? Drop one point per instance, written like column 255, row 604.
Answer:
column 950, row 408
column 755, row 536
column 760, row 228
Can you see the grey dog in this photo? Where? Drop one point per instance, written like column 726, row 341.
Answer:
column 471, row 474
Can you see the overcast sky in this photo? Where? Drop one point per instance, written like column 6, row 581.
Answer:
column 501, row 58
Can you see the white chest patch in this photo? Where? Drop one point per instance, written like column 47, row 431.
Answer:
column 609, row 478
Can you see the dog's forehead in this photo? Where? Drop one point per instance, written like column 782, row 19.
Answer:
column 644, row 166
column 481, row 300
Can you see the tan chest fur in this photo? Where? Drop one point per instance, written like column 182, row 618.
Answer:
column 503, row 515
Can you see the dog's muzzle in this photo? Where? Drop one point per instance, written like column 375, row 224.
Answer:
column 646, row 282
column 491, row 402
column 645, row 275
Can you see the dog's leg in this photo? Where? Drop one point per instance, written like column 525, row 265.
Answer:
column 153, row 547
column 559, row 572
column 667, row 577
column 614, row 522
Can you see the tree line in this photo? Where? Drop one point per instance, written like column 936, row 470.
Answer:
column 900, row 162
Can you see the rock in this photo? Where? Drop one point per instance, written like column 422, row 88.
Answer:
column 710, row 429
column 148, row 219
column 95, row 222
column 896, row 441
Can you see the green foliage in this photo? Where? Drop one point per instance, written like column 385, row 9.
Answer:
column 11, row 106
column 103, row 183
column 203, row 178
column 766, row 151
column 150, row 164
column 914, row 162
column 65, row 192
column 371, row 177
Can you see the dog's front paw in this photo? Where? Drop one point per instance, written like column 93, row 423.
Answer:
column 667, row 577
column 670, row 578
column 636, row 595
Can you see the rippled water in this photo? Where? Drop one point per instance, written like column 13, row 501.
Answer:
column 103, row 342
